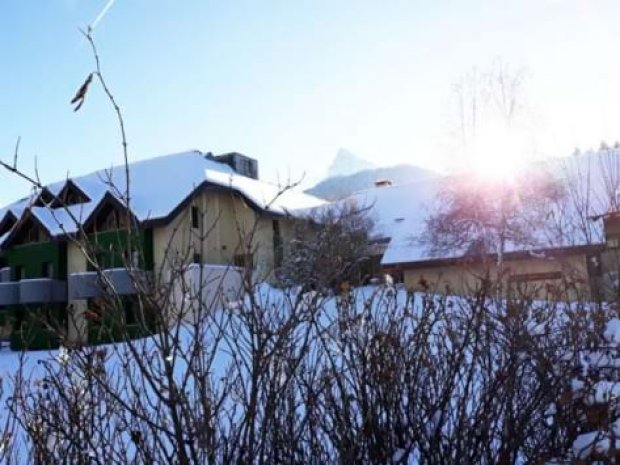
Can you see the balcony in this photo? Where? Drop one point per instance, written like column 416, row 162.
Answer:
column 122, row 281
column 41, row 290
column 9, row 293
column 5, row 274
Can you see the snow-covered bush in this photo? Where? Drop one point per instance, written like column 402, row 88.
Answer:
column 369, row 376
column 594, row 400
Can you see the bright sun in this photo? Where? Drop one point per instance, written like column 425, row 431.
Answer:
column 498, row 155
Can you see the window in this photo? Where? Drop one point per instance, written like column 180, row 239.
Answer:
column 70, row 194
column 47, row 270
column 613, row 242
column 195, row 217
column 32, row 235
column 110, row 218
column 132, row 259
column 19, row 272
column 530, row 277
column 277, row 244
column 135, row 259
column 595, row 266
column 45, row 198
column 129, row 306
column 110, row 222
column 196, row 258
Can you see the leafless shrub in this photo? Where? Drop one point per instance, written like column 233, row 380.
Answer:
column 330, row 246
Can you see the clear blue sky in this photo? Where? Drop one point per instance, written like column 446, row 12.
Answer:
column 289, row 82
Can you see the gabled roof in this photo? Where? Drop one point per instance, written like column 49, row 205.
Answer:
column 62, row 221
column 108, row 199
column 7, row 222
column 27, row 218
column 158, row 186
column 69, row 187
column 44, row 198
column 399, row 213
column 57, row 223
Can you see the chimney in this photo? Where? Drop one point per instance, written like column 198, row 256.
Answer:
column 242, row 164
column 383, row 183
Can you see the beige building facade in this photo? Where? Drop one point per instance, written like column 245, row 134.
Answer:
column 542, row 274
column 188, row 212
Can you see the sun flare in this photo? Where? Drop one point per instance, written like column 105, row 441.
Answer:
column 498, row 156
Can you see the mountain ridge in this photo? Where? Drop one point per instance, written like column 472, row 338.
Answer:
column 346, row 162
column 341, row 186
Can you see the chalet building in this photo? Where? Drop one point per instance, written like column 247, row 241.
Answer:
column 582, row 262
column 189, row 209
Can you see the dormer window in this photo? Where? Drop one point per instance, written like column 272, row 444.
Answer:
column 70, row 194
column 109, row 215
column 45, row 198
column 28, row 231
column 110, row 219
column 32, row 235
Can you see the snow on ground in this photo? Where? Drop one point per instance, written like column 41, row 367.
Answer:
column 593, row 443
column 269, row 298
column 33, row 363
column 612, row 332
column 603, row 392
column 597, row 442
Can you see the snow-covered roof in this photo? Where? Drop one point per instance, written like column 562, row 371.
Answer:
column 157, row 186
column 61, row 221
column 400, row 211
column 269, row 197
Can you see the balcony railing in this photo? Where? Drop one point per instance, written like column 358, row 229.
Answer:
column 9, row 293
column 83, row 286
column 42, row 290
column 5, row 274
column 121, row 281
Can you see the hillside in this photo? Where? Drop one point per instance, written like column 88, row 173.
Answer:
column 337, row 187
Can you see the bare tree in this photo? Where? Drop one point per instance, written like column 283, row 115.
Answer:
column 330, row 246
column 482, row 219
column 488, row 112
